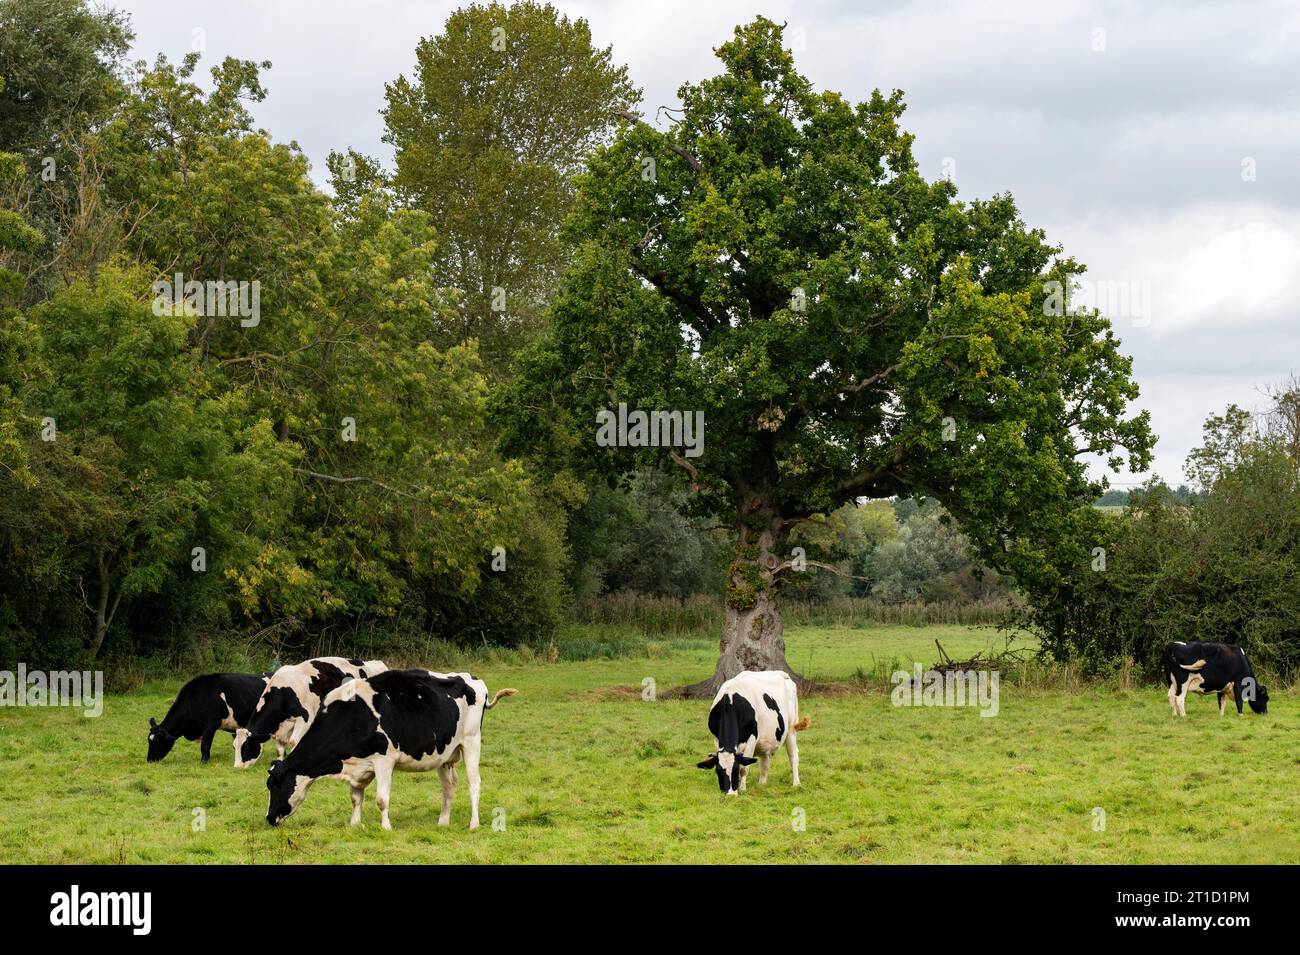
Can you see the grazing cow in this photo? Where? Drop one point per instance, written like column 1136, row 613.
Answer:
column 412, row 720
column 753, row 713
column 1211, row 668
column 291, row 700
column 215, row 701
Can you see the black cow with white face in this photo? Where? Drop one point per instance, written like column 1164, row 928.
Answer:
column 1211, row 668
column 214, row 701
column 291, row 700
column 408, row 720
column 753, row 713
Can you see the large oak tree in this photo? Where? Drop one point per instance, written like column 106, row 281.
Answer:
column 849, row 330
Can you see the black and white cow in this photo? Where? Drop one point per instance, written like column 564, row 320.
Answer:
column 291, row 700
column 214, row 701
column 409, row 720
column 1211, row 668
column 753, row 713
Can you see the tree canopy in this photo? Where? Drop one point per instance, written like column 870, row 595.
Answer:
column 775, row 260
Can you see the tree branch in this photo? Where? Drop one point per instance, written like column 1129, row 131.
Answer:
column 867, row 478
column 352, row 480
column 637, row 120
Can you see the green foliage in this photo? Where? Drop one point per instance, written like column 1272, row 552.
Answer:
column 503, row 107
column 639, row 537
column 333, row 462
column 928, row 559
column 1224, row 568
column 59, row 69
column 844, row 541
column 146, row 462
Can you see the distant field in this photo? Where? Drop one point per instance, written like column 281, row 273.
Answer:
column 581, row 773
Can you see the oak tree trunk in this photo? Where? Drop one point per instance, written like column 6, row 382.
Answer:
column 752, row 635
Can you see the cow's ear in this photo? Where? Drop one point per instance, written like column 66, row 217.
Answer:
column 709, row 763
column 745, row 760
column 153, row 723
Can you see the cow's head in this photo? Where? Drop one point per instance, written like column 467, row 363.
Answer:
column 727, row 764
column 160, row 741
column 288, row 790
column 248, row 747
column 1256, row 695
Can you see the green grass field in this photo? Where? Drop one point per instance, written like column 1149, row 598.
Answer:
column 580, row 772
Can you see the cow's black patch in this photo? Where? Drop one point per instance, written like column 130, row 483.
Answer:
column 279, row 703
column 732, row 721
column 199, row 710
column 418, row 711
column 327, row 678
column 356, row 663
column 780, row 720
column 453, row 686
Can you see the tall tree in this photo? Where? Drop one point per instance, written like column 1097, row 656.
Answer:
column 60, row 62
column 17, row 345
column 847, row 328
column 60, row 77
column 504, row 105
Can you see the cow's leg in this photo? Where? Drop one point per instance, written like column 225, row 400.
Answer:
column 205, row 745
column 470, row 750
column 1231, row 690
column 383, row 784
column 1182, row 698
column 1223, row 701
column 792, row 748
column 358, row 794
column 764, row 762
column 1173, row 695
column 447, row 774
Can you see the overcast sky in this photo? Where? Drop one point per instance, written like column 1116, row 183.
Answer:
column 1158, row 142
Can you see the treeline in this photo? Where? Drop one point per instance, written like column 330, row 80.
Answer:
column 1222, row 564
column 636, row 546
column 1117, row 498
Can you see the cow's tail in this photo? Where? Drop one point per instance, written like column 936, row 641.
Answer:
column 802, row 725
column 1198, row 665
column 505, row 691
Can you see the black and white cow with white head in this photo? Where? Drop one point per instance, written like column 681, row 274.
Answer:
column 291, row 700
column 754, row 714
column 408, row 720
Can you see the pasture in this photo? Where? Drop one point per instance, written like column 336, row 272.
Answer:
column 578, row 768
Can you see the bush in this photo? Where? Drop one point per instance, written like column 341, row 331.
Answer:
column 1225, row 569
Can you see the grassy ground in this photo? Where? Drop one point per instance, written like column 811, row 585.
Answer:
column 582, row 773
